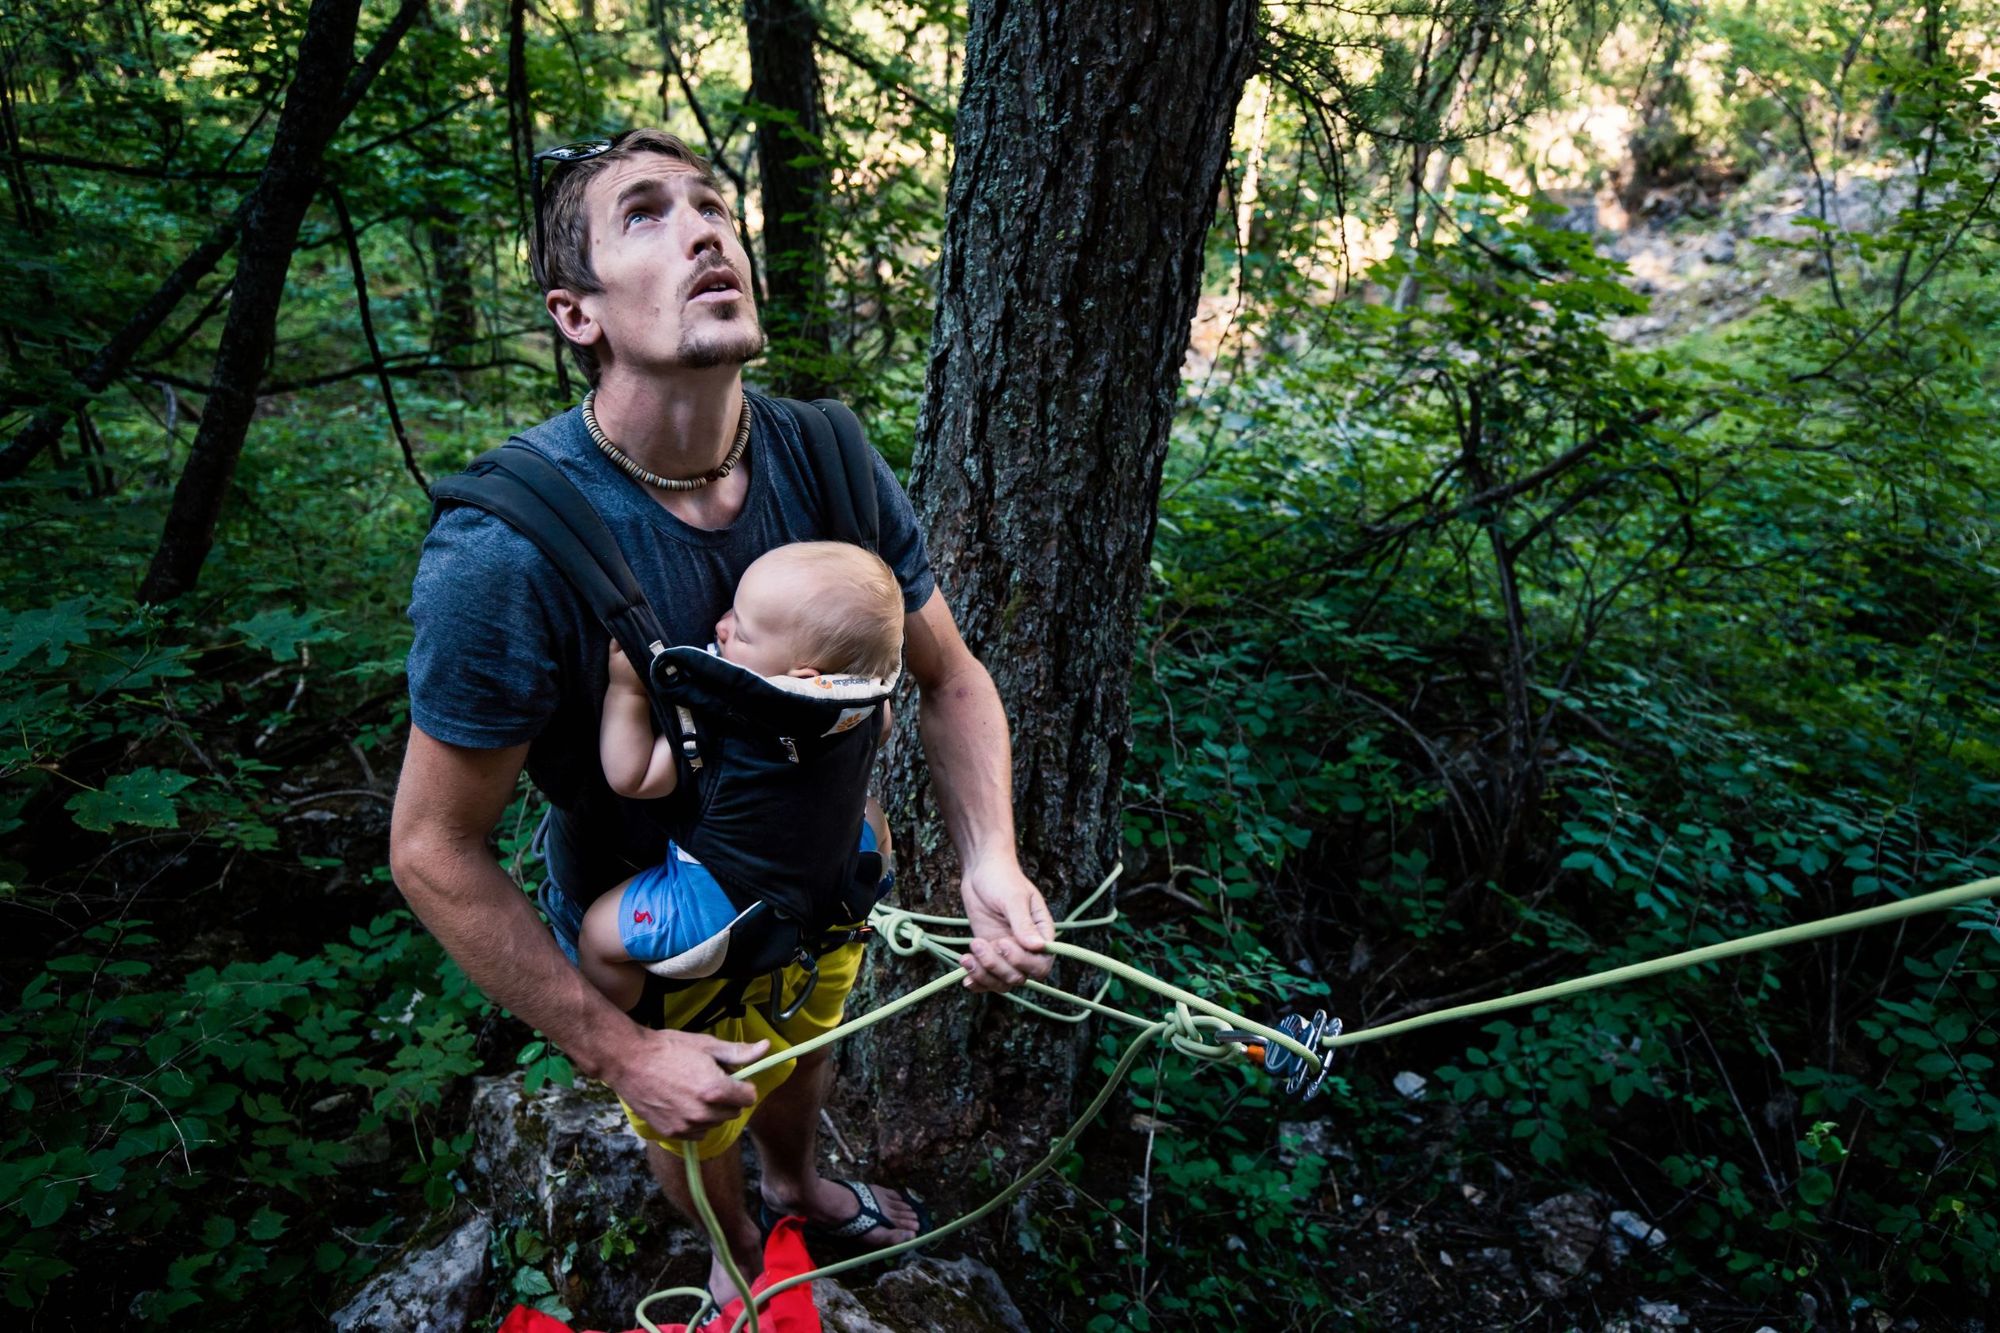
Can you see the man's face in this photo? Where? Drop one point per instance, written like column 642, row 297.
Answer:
column 675, row 281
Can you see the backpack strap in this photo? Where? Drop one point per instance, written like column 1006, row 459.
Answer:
column 530, row 494
column 845, row 467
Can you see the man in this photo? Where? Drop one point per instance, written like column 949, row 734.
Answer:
column 644, row 276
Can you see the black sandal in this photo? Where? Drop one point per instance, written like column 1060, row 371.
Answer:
column 846, row 1235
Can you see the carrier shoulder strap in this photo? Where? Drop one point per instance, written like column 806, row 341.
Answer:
column 518, row 485
column 845, row 467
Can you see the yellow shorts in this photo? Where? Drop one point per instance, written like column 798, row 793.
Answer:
column 822, row 1013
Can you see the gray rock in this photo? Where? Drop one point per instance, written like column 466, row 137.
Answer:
column 945, row 1296
column 565, row 1163
column 438, row 1290
column 1660, row 1315
column 1570, row 1228
column 1720, row 249
column 923, row 1296
column 1638, row 1228
column 1410, row 1084
column 1298, row 1139
column 841, row 1312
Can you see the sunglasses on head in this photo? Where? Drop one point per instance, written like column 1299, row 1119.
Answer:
column 563, row 155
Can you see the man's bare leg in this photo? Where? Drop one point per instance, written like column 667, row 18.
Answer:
column 785, row 1128
column 722, row 1181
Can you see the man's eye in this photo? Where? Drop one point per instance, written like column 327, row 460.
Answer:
column 715, row 211
column 636, row 214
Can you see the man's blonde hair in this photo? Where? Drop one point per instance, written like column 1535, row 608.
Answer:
column 845, row 610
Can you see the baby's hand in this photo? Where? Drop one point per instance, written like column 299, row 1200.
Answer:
column 623, row 676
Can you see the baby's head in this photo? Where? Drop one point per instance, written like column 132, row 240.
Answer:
column 815, row 608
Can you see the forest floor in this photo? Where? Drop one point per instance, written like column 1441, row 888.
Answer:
column 1710, row 252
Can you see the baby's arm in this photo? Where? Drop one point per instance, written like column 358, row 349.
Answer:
column 636, row 762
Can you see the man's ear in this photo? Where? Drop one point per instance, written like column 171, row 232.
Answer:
column 574, row 322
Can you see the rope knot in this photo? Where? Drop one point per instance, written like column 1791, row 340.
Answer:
column 899, row 930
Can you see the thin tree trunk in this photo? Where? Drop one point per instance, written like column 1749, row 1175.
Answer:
column 1433, row 167
column 322, row 93
column 112, row 359
column 1091, row 142
column 455, row 319
column 784, row 85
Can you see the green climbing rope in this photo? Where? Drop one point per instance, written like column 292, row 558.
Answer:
column 1192, row 1021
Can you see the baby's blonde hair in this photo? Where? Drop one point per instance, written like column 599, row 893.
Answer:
column 843, row 605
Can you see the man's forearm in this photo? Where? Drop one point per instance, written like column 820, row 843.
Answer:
column 494, row 933
column 964, row 729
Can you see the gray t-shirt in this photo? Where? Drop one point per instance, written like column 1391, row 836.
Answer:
column 505, row 652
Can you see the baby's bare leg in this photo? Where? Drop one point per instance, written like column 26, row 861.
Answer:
column 601, row 953
column 880, row 823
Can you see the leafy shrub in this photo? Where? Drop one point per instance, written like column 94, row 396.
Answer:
column 193, row 1124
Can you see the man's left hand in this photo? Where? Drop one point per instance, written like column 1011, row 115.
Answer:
column 1010, row 926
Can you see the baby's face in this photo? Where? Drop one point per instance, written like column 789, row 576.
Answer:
column 756, row 633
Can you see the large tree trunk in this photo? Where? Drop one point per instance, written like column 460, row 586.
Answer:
column 791, row 162
column 1091, row 141
column 324, row 90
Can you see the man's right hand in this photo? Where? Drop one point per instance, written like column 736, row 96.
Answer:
column 678, row 1082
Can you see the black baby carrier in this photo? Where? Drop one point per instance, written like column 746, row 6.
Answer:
column 744, row 745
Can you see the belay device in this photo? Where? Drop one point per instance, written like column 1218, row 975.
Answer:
column 1301, row 1079
column 740, row 740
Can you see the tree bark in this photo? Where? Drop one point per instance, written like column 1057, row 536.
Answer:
column 784, row 86
column 455, row 319
column 1091, row 141
column 324, row 90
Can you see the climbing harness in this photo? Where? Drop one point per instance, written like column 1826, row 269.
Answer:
column 1298, row 1049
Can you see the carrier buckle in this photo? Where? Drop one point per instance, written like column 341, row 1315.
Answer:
column 781, row 1012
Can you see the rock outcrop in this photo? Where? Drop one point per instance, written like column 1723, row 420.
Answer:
column 441, row 1289
column 567, row 1198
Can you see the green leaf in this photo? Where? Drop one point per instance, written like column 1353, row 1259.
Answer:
column 47, row 1200
column 1815, row 1187
column 267, row 1224
column 53, row 630
column 281, row 632
column 143, row 797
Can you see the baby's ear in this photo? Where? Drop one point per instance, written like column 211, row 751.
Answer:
column 802, row 672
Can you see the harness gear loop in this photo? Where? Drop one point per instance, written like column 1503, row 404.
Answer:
column 784, row 1013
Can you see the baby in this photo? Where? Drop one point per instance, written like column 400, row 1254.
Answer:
column 803, row 610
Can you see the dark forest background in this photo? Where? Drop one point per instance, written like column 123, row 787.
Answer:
column 1457, row 494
